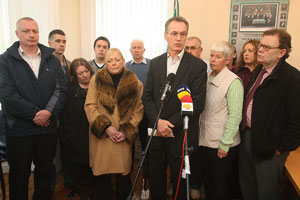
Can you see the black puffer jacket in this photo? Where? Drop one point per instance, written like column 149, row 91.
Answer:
column 22, row 95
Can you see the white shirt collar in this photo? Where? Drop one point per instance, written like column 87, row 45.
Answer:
column 143, row 61
column 179, row 56
column 22, row 52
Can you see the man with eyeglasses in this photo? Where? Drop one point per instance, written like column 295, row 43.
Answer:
column 194, row 46
column 271, row 118
column 165, row 149
column 32, row 93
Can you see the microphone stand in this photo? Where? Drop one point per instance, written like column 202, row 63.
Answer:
column 187, row 171
column 146, row 150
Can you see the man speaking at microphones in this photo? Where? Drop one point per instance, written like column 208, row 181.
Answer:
column 166, row 148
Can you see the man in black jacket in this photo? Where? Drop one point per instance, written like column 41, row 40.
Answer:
column 271, row 118
column 166, row 149
column 32, row 92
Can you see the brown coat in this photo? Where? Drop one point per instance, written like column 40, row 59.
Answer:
column 122, row 109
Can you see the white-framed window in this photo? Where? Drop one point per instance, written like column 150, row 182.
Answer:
column 45, row 12
column 4, row 24
column 123, row 21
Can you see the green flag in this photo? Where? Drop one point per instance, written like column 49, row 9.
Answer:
column 176, row 8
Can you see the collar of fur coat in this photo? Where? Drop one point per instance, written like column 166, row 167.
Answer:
column 125, row 95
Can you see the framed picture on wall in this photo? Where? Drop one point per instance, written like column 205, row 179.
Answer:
column 250, row 18
column 258, row 17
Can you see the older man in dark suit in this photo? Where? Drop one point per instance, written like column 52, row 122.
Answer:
column 271, row 118
column 191, row 71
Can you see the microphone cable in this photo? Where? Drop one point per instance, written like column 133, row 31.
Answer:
column 181, row 167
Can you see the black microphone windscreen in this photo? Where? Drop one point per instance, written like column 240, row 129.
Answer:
column 170, row 78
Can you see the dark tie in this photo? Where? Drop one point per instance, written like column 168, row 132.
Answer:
column 250, row 97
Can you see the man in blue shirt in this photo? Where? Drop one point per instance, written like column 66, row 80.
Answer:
column 140, row 66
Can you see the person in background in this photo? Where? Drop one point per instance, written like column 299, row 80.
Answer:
column 140, row 66
column 193, row 46
column 114, row 116
column 32, row 92
column 74, row 123
column 58, row 41
column 248, row 61
column 101, row 46
column 244, row 69
column 232, row 63
column 219, row 124
column 271, row 118
column 189, row 70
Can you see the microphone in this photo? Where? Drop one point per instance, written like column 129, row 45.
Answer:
column 167, row 88
column 187, row 106
column 184, row 95
column 182, row 91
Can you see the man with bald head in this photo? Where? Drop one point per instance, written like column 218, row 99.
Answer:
column 140, row 66
column 32, row 92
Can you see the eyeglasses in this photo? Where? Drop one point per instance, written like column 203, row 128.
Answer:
column 174, row 34
column 266, row 47
column 191, row 48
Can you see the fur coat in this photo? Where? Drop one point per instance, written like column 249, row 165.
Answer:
column 123, row 109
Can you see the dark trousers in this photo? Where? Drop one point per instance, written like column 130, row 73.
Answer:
column 103, row 187
column 259, row 179
column 84, row 180
column 143, row 131
column 196, row 177
column 66, row 163
column 217, row 172
column 21, row 151
column 158, row 162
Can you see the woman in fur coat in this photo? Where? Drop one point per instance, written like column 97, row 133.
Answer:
column 114, row 109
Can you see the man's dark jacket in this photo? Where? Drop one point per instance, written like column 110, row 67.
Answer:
column 22, row 95
column 192, row 72
column 276, row 111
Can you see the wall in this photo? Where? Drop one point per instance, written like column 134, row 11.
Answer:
column 293, row 27
column 208, row 20
column 69, row 22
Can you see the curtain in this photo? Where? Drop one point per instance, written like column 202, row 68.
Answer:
column 123, row 21
column 45, row 12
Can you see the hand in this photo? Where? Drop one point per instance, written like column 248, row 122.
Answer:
column 120, row 136
column 112, row 133
column 278, row 152
column 221, row 153
column 42, row 118
column 164, row 128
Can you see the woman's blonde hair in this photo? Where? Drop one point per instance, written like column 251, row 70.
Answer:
column 110, row 51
